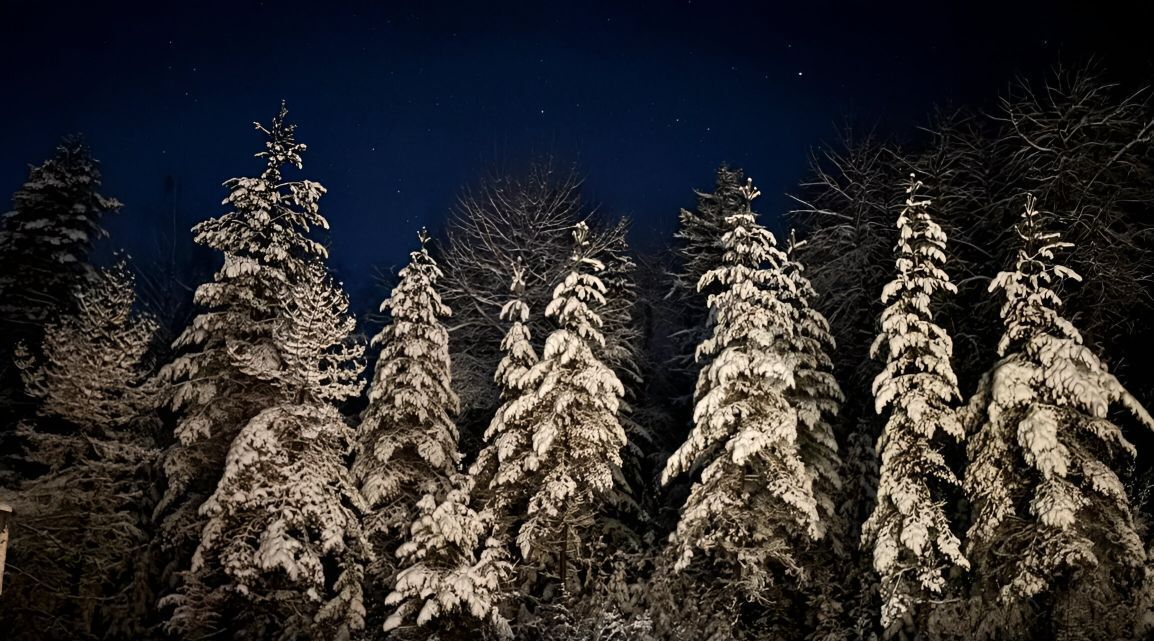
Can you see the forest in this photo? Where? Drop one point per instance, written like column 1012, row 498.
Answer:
column 910, row 408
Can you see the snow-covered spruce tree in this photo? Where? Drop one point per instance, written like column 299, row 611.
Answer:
column 569, row 406
column 454, row 571
column 496, row 473
column 79, row 542
column 45, row 240
column 283, row 554
column 1052, row 525
column 755, row 509
column 227, row 371
column 92, row 366
column 909, row 532
column 407, row 441
column 456, row 559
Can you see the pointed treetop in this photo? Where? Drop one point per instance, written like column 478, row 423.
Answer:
column 1032, row 301
column 749, row 191
column 914, row 185
column 582, row 249
column 518, row 285
column 581, row 235
column 1038, row 247
column 423, row 236
column 794, row 244
column 281, row 148
column 913, row 203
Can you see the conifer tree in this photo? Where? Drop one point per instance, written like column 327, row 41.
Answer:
column 1052, row 522
column 570, row 409
column 755, row 508
column 283, row 553
column 909, row 532
column 506, row 443
column 457, row 557
column 45, row 240
column 454, row 570
column 81, row 534
column 525, row 215
column 407, row 440
column 92, row 367
column 230, row 363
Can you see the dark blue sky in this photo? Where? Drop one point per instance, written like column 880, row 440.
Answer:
column 402, row 103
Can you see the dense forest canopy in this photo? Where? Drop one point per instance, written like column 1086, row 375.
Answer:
column 911, row 408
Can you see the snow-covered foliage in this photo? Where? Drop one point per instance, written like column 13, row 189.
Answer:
column 78, row 562
column 700, row 250
column 229, row 368
column 1051, row 517
column 755, row 507
column 45, row 240
column 526, row 215
column 815, row 395
column 91, row 367
column 456, row 560
column 454, row 570
column 507, row 443
column 283, row 547
column 320, row 353
column 909, row 532
column 569, row 407
column 407, row 441
column 275, row 520
column 701, row 231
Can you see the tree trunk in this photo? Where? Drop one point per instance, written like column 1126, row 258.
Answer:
column 564, row 570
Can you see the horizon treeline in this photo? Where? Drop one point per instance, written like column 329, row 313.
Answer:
column 906, row 418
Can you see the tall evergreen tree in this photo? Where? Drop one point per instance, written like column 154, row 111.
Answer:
column 230, row 362
column 506, row 443
column 456, row 566
column 407, row 440
column 1052, row 523
column 526, row 215
column 45, row 240
column 570, row 409
column 909, row 532
column 758, row 504
column 282, row 555
column 743, row 418
column 81, row 535
column 456, row 561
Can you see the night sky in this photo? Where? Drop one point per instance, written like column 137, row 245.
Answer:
column 403, row 103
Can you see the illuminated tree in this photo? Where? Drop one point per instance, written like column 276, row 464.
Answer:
column 909, row 532
column 1051, row 518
